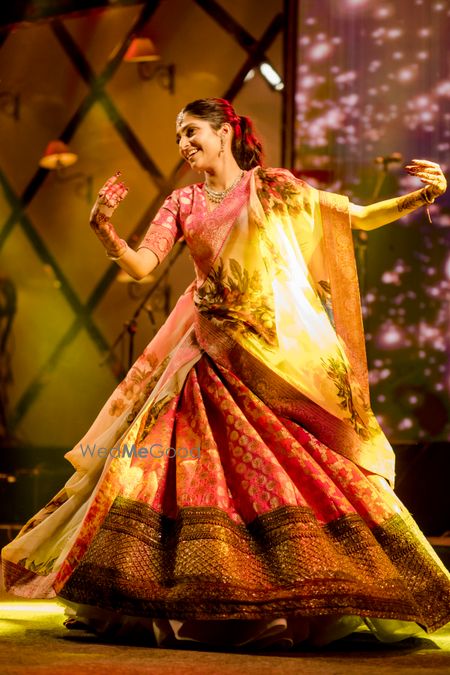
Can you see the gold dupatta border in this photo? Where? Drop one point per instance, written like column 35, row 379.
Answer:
column 345, row 296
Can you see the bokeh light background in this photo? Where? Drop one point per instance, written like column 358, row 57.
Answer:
column 373, row 79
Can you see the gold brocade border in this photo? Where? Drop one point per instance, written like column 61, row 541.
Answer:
column 202, row 565
column 341, row 265
column 287, row 400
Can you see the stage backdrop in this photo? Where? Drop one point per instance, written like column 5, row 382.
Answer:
column 373, row 81
column 65, row 78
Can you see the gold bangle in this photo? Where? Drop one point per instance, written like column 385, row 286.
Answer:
column 427, row 197
column 125, row 249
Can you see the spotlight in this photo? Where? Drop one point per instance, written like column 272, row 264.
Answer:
column 271, row 76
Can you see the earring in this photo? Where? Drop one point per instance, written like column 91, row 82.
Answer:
column 222, row 143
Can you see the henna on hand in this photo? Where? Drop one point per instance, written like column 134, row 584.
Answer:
column 108, row 199
column 411, row 201
column 108, row 236
column 431, row 174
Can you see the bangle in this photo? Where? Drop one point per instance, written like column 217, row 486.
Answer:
column 115, row 258
column 426, row 196
column 428, row 201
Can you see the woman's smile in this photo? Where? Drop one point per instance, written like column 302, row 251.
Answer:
column 190, row 154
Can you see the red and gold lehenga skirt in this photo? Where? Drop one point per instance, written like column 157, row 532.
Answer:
column 229, row 523
column 211, row 501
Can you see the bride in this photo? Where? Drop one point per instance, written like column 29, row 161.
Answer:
column 236, row 488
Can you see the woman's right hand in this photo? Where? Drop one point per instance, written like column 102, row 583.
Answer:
column 108, row 199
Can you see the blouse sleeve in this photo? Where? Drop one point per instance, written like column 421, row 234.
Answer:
column 165, row 228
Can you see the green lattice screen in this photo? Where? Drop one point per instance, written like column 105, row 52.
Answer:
column 73, row 85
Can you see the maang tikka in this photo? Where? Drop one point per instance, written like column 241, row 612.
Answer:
column 180, row 118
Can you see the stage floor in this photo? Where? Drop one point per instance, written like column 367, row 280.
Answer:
column 33, row 640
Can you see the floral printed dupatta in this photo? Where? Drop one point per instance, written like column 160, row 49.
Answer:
column 296, row 338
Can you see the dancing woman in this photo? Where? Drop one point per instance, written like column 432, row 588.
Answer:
column 236, row 488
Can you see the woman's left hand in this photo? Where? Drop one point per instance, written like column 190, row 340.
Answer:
column 429, row 173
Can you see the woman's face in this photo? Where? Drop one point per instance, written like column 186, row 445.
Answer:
column 199, row 143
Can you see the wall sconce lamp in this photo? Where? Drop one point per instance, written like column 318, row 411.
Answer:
column 10, row 104
column 142, row 51
column 57, row 157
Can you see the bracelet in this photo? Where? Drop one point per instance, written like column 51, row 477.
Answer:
column 115, row 258
column 427, row 197
column 428, row 201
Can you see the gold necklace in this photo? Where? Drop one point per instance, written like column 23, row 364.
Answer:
column 217, row 196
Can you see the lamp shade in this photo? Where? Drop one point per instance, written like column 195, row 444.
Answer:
column 141, row 49
column 57, row 155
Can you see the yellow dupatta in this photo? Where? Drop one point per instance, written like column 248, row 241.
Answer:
column 320, row 223
column 315, row 370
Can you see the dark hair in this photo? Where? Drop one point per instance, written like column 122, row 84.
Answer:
column 246, row 147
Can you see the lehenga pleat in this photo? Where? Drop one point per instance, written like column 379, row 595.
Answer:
column 265, row 522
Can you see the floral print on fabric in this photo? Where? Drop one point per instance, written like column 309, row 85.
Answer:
column 236, row 298
column 278, row 190
column 137, row 386
column 339, row 374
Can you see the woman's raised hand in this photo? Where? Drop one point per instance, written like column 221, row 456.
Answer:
column 108, row 199
column 429, row 173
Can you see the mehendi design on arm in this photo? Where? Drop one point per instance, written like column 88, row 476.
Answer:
column 411, row 201
column 108, row 236
column 108, row 199
column 100, row 218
